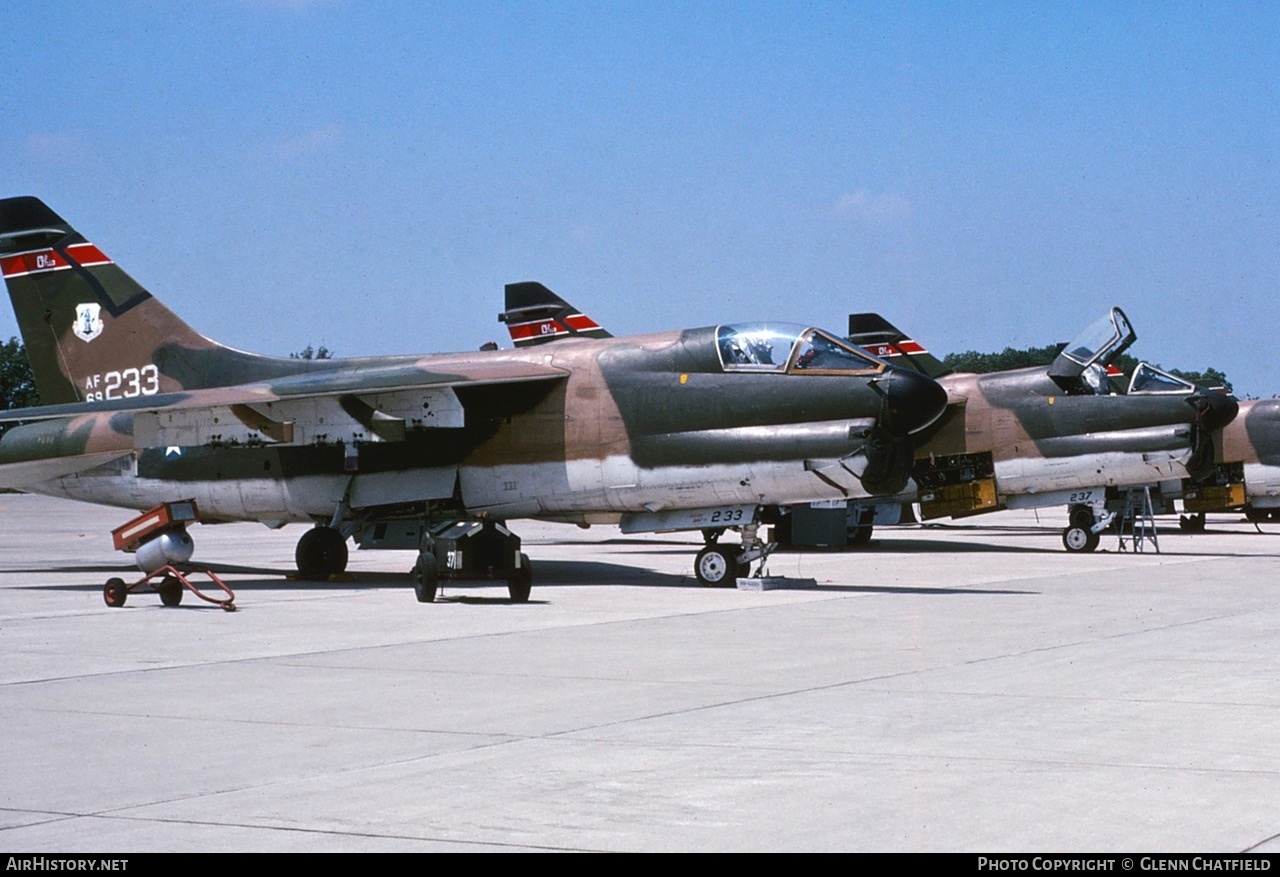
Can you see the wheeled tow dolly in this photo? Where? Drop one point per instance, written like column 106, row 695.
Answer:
column 474, row 549
column 158, row 539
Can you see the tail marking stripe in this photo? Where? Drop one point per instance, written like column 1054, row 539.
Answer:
column 550, row 328
column 887, row 350
column 49, row 259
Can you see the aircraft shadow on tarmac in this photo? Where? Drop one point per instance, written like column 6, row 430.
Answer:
column 552, row 574
column 577, row 573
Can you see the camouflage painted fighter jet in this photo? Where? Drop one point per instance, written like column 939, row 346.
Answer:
column 685, row 429
column 1056, row 435
column 1027, row 438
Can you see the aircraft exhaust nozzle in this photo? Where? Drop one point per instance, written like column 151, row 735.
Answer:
column 1214, row 408
column 171, row 546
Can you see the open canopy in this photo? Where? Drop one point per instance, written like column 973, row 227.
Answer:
column 1081, row 367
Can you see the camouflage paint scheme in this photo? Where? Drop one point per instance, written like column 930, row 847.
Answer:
column 143, row 409
column 1024, row 416
column 1027, row 437
column 1248, row 476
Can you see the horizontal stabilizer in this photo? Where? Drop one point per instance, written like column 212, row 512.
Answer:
column 25, row 474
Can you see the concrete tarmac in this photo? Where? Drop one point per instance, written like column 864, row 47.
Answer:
column 965, row 687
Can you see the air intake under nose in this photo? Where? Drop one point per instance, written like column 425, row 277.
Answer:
column 1215, row 409
column 913, row 400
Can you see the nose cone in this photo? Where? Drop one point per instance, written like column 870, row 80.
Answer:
column 1214, row 408
column 914, row 400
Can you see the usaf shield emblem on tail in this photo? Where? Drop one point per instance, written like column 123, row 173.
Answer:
column 88, row 323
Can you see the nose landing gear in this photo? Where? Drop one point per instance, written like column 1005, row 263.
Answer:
column 720, row 566
column 1084, row 532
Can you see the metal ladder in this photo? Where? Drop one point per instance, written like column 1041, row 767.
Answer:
column 1137, row 522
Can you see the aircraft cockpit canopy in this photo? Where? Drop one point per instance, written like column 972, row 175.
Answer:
column 784, row 347
column 1149, row 379
column 1104, row 337
column 1081, row 366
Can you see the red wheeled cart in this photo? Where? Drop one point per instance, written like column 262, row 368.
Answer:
column 158, row 539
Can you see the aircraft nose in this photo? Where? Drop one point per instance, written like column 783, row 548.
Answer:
column 914, row 400
column 1214, row 408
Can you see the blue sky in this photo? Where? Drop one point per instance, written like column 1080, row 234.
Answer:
column 369, row 175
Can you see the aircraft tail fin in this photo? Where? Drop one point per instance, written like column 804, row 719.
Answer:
column 94, row 333
column 536, row 315
column 881, row 338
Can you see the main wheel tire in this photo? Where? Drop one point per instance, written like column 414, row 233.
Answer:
column 717, row 567
column 520, row 584
column 321, row 552
column 1080, row 539
column 115, row 592
column 170, row 590
column 426, row 577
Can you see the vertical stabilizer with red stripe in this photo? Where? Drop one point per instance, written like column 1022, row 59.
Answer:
column 876, row 335
column 91, row 331
column 536, row 315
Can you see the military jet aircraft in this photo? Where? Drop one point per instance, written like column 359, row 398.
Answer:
column 1056, row 435
column 1026, row 438
column 683, row 429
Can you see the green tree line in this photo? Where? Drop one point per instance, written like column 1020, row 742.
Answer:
column 1011, row 358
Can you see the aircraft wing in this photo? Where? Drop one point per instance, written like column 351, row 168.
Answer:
column 380, row 403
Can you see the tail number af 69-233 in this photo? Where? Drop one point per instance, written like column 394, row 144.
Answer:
column 126, row 384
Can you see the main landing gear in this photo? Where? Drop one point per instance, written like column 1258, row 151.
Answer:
column 720, row 566
column 321, row 552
